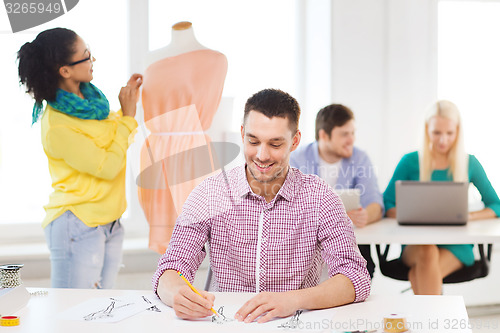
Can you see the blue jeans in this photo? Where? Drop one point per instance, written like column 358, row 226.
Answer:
column 81, row 256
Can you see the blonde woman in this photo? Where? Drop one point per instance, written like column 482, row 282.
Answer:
column 442, row 158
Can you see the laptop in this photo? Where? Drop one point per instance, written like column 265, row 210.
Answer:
column 350, row 198
column 432, row 203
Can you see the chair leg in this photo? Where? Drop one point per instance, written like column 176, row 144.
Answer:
column 208, row 281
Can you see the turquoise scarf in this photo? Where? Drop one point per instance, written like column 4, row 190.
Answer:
column 94, row 106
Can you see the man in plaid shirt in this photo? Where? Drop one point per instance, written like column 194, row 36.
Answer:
column 269, row 228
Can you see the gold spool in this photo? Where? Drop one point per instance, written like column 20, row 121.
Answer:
column 395, row 324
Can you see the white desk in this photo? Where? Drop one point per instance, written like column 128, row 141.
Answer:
column 423, row 313
column 389, row 231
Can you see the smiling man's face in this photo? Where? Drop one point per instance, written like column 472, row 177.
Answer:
column 267, row 144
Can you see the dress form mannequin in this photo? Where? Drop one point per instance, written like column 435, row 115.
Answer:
column 183, row 40
column 181, row 92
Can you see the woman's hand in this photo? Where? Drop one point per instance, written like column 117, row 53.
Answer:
column 486, row 213
column 129, row 95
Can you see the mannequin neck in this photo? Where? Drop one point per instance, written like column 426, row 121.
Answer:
column 184, row 41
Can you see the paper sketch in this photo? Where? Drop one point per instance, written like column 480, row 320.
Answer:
column 107, row 309
column 153, row 307
column 221, row 318
column 108, row 312
column 293, row 322
column 227, row 305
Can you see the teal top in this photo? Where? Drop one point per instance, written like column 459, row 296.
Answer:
column 408, row 169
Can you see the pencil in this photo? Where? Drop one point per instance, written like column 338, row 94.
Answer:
column 194, row 289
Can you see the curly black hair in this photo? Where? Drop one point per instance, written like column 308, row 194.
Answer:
column 40, row 60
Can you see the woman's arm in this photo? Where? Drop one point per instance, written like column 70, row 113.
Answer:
column 483, row 214
column 80, row 151
column 488, row 194
column 391, row 213
column 407, row 169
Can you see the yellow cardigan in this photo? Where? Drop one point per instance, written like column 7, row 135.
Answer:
column 87, row 160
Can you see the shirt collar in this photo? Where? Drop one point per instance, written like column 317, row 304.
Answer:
column 242, row 187
column 287, row 190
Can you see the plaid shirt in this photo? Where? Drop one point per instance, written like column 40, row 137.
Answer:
column 258, row 246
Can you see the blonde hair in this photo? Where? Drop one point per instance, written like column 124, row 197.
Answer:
column 457, row 158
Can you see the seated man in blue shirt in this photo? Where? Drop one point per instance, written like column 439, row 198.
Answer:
column 334, row 158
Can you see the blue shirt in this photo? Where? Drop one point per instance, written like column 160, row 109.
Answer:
column 355, row 172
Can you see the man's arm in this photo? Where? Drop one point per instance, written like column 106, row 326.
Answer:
column 185, row 253
column 174, row 292
column 337, row 290
column 374, row 212
column 363, row 216
column 371, row 198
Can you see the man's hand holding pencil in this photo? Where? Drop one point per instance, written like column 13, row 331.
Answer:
column 187, row 302
column 197, row 292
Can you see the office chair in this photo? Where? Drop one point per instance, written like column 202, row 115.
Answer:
column 208, row 280
column 397, row 270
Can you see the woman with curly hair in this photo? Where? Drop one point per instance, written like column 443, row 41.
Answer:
column 86, row 147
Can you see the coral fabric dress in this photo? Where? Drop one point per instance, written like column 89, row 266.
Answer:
column 180, row 96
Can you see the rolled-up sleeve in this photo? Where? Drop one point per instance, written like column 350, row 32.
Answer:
column 186, row 249
column 339, row 248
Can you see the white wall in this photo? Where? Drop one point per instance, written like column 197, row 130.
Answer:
column 359, row 71
column 378, row 58
column 383, row 67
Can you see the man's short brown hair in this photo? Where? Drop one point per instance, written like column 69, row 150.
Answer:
column 274, row 103
column 331, row 116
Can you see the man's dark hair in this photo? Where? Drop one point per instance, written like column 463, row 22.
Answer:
column 274, row 103
column 333, row 115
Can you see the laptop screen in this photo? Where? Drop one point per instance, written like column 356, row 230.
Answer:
column 439, row 203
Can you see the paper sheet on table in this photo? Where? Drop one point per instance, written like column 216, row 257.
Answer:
column 109, row 309
column 306, row 321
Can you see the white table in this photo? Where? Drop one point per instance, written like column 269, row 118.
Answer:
column 423, row 313
column 388, row 231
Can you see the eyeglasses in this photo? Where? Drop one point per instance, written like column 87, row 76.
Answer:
column 80, row 61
